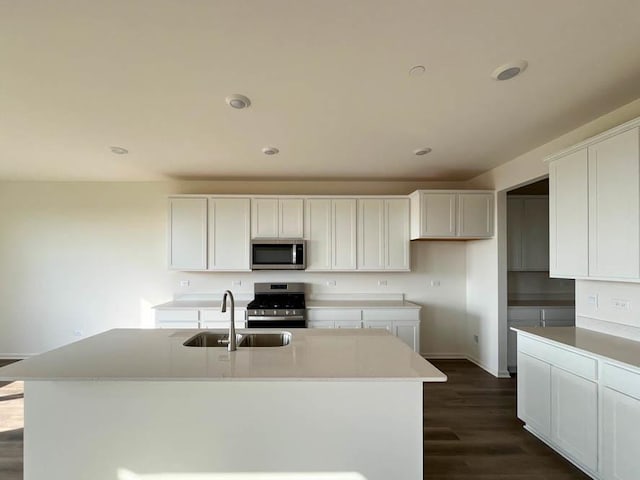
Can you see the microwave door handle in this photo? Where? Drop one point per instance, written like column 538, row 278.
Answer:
column 295, row 253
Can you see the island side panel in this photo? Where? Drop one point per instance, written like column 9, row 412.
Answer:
column 104, row 429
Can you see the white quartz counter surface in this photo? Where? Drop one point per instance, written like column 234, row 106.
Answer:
column 607, row 346
column 159, row 355
column 311, row 304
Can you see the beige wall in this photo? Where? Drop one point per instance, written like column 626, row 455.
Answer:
column 80, row 258
column 486, row 260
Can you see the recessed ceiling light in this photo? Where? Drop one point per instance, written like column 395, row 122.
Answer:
column 270, row 151
column 238, row 101
column 417, row 70
column 119, row 150
column 509, row 70
column 422, row 151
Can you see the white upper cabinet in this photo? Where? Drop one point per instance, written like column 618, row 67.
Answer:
column 433, row 215
column 330, row 231
column 291, row 218
column 318, row 234
column 209, row 233
column 475, row 215
column 568, row 216
column 528, row 233
column 594, row 208
column 442, row 214
column 344, row 234
column 277, row 217
column 229, row 234
column 383, row 234
column 614, row 207
column 188, row 233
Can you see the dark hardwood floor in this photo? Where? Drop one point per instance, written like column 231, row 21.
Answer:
column 471, row 431
column 470, row 427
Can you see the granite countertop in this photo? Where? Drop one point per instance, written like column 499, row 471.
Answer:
column 607, row 346
column 159, row 355
column 541, row 303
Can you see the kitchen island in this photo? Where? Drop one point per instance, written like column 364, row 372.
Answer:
column 130, row 404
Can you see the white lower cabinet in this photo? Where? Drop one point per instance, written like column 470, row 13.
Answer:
column 404, row 323
column 585, row 407
column 534, row 393
column 620, row 423
column 574, row 416
column 198, row 318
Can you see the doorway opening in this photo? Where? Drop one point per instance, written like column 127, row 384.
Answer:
column 534, row 299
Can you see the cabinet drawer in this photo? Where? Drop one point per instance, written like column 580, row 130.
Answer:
column 218, row 316
column 177, row 316
column 390, row 314
column 553, row 314
column 621, row 379
column 581, row 365
column 354, row 314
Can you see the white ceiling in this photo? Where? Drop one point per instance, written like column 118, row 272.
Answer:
column 328, row 80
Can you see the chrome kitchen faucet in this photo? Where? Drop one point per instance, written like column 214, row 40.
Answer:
column 231, row 346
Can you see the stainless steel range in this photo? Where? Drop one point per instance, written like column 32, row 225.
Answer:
column 278, row 305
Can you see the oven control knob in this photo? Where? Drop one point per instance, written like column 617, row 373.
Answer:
column 261, row 312
column 275, row 312
column 287, row 312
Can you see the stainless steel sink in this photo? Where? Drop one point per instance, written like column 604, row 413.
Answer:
column 210, row 339
column 279, row 339
column 216, row 339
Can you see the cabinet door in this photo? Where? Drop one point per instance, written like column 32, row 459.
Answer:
column 515, row 207
column 409, row 333
column 397, row 233
column 557, row 317
column 371, row 234
column 264, row 217
column 343, row 234
column 291, row 220
column 475, row 215
column 574, row 408
column 188, row 233
column 438, row 215
column 229, row 234
column 535, row 234
column 534, row 393
column 318, row 234
column 614, row 199
column 568, row 216
column 620, row 427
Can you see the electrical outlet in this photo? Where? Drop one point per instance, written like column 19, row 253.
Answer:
column 382, row 283
column 476, row 338
column 331, row 283
column 78, row 333
column 185, row 283
column 592, row 300
column 621, row 304
column 236, row 283
column 435, row 283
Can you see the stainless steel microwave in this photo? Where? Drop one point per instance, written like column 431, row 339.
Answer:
column 278, row 254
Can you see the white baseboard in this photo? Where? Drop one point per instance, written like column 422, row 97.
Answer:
column 460, row 356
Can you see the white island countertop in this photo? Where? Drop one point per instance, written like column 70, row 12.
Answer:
column 159, row 355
